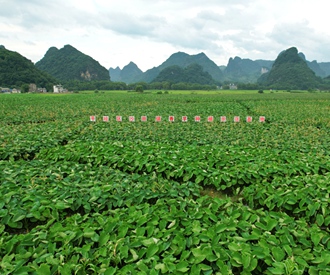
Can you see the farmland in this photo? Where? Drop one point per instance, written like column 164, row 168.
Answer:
column 82, row 197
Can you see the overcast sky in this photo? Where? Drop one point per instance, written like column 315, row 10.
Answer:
column 147, row 32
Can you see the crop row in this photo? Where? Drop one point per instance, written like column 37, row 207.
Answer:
column 133, row 198
column 174, row 235
column 230, row 169
column 54, row 190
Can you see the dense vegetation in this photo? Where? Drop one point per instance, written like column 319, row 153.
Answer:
column 16, row 70
column 109, row 85
column 69, row 64
column 191, row 74
column 290, row 71
column 81, row 197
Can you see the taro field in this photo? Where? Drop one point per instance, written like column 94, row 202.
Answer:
column 82, row 197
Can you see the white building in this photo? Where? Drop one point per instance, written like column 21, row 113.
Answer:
column 58, row 89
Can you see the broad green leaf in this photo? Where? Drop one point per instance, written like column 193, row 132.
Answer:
column 198, row 254
column 182, row 267
column 44, row 269
column 319, row 219
column 152, row 250
column 110, row 271
column 316, row 237
column 278, row 253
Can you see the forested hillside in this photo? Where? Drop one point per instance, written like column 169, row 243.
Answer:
column 290, row 71
column 191, row 74
column 69, row 64
column 16, row 70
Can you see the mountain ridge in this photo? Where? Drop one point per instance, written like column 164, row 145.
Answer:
column 290, row 69
column 68, row 64
column 16, row 70
column 238, row 70
column 182, row 60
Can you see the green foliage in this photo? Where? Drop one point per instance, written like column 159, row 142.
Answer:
column 16, row 70
column 24, row 88
column 290, row 71
column 191, row 74
column 68, row 64
column 119, row 197
column 139, row 88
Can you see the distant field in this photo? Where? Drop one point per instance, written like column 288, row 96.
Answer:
column 196, row 91
column 82, row 197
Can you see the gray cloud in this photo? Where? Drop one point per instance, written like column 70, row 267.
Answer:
column 127, row 24
column 220, row 28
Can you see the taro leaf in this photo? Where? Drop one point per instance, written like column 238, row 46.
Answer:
column 327, row 220
column 182, row 267
column 316, row 238
column 220, row 228
column 198, row 254
column 110, row 271
column 171, row 224
column 271, row 223
column 141, row 266
column 2, row 228
column 140, row 231
column 196, row 228
column 246, row 259
column 223, row 267
column 123, row 249
column 135, row 256
column 312, row 208
column 199, row 179
column 301, row 261
column 18, row 216
column 287, row 249
column 3, row 212
column 278, row 268
column 104, row 237
column 205, row 268
column 185, row 254
column 207, row 251
column 220, row 253
column 195, row 270
column 148, row 242
column 313, row 270
column 236, row 259
column 253, row 264
column 278, row 253
column 319, row 219
column 161, row 267
column 152, row 250
column 122, row 231
column 23, row 270
column 43, row 269
column 89, row 233
column 13, row 224
column 6, row 262
column 234, row 247
column 61, row 205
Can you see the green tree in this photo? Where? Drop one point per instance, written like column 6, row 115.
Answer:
column 139, row 88
column 24, row 88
